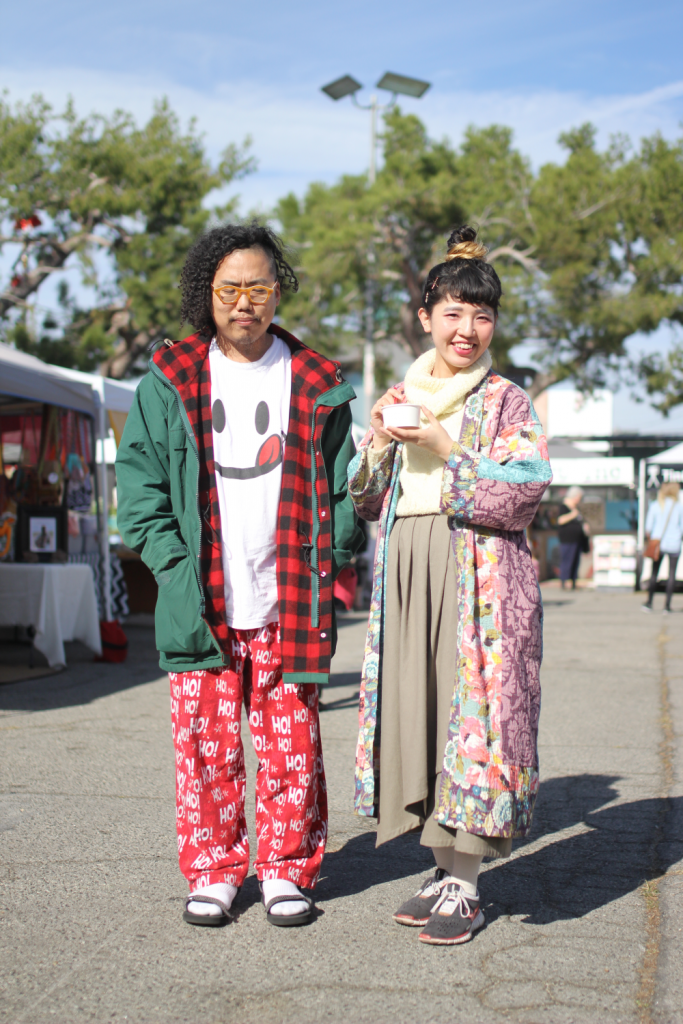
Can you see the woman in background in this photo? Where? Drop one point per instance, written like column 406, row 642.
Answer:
column 571, row 534
column 665, row 523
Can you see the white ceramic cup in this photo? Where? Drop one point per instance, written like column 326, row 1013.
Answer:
column 405, row 414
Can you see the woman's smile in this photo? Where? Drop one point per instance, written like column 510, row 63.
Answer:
column 462, row 348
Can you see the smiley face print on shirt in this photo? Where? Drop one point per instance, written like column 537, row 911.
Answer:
column 269, row 455
column 250, row 418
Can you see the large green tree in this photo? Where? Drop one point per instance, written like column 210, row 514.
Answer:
column 71, row 188
column 658, row 218
column 589, row 250
column 350, row 235
column 607, row 264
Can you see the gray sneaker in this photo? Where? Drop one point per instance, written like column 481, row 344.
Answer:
column 455, row 919
column 417, row 911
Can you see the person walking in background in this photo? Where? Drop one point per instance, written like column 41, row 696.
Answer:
column 572, row 535
column 664, row 533
column 453, row 651
column 232, row 486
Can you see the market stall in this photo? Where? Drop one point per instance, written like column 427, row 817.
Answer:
column 114, row 401
column 46, row 480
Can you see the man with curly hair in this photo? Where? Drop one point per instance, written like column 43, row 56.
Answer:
column 232, row 486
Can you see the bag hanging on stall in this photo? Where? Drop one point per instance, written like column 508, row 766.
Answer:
column 50, row 473
column 79, row 487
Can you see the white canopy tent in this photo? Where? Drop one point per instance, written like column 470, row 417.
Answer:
column 26, row 377
column 670, row 457
column 115, row 395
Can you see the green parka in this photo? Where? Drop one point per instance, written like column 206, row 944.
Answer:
column 159, row 516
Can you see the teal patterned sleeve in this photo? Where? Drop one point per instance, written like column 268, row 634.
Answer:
column 370, row 478
column 500, row 490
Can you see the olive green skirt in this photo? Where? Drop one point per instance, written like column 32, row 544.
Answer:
column 418, row 676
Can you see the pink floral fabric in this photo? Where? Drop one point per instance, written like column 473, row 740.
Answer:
column 492, row 485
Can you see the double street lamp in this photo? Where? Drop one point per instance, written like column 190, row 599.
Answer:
column 337, row 90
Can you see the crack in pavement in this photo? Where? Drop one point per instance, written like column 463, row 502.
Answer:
column 650, row 892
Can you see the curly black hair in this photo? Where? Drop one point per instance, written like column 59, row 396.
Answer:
column 464, row 274
column 210, row 250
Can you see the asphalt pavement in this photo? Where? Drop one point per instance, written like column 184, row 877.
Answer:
column 583, row 922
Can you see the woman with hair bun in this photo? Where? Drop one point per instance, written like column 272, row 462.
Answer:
column 450, row 688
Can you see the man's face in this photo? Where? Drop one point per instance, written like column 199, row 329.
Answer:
column 243, row 324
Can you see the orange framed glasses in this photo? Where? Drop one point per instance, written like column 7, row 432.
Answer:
column 258, row 294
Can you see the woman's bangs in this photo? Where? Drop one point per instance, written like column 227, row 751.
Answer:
column 470, row 281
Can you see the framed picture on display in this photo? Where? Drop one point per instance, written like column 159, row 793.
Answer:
column 42, row 533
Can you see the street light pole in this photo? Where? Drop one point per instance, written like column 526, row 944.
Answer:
column 348, row 86
column 369, row 344
column 373, row 138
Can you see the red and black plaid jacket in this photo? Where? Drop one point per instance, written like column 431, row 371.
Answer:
column 306, row 518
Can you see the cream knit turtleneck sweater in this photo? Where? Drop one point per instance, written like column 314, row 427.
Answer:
column 421, row 471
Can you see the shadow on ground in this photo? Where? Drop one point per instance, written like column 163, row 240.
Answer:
column 624, row 846
column 339, row 679
column 86, row 680
column 627, row 844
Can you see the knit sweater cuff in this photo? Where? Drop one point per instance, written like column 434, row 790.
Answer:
column 375, row 456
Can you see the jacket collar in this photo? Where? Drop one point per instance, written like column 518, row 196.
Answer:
column 181, row 362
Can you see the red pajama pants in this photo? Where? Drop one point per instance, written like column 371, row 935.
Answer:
column 291, row 797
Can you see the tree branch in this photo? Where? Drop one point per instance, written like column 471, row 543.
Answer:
column 590, row 210
column 130, row 347
column 540, row 383
column 52, row 260
column 411, row 339
column 521, row 256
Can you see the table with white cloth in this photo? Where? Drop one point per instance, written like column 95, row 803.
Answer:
column 58, row 601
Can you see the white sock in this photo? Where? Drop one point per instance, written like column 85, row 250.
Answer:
column 280, row 887
column 465, row 871
column 463, row 868
column 443, row 855
column 221, row 890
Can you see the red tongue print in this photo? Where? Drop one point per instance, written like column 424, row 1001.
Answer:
column 270, row 452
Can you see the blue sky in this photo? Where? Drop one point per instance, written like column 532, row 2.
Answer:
column 538, row 66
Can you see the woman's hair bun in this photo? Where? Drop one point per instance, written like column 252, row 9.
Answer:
column 463, row 245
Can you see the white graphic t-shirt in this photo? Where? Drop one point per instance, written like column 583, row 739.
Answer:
column 250, row 413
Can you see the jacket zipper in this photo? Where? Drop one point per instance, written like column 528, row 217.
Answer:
column 190, row 435
column 315, row 573
column 325, row 399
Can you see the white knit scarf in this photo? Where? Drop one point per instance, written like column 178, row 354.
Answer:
column 443, row 395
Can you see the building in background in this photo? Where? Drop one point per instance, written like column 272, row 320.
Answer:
column 566, row 412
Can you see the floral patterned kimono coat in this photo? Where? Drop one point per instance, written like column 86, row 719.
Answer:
column 492, row 484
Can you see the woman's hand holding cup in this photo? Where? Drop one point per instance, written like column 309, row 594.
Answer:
column 433, row 438
column 381, row 438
